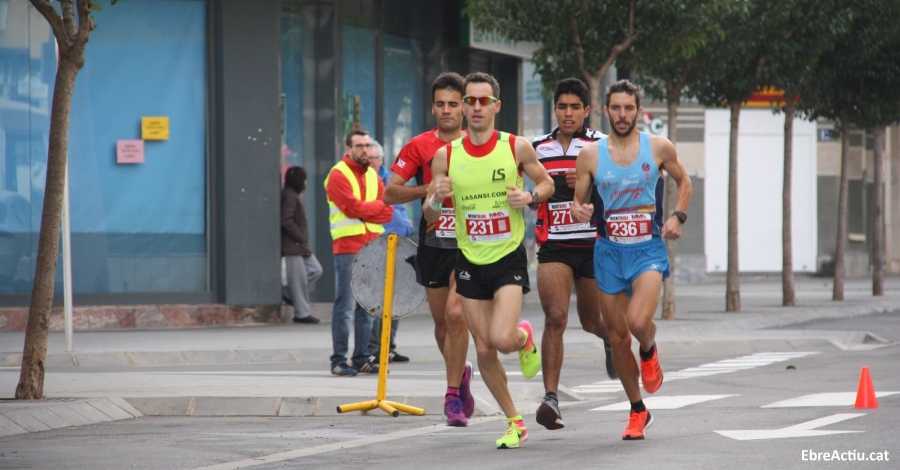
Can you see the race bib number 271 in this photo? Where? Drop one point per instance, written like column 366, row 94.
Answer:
column 561, row 220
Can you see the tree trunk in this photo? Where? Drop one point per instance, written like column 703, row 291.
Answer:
column 878, row 247
column 595, row 83
column 732, row 281
column 787, row 252
column 673, row 97
column 31, row 379
column 837, row 292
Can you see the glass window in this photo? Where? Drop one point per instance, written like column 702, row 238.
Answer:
column 403, row 83
column 27, row 70
column 293, row 40
column 301, row 60
column 135, row 227
column 358, row 78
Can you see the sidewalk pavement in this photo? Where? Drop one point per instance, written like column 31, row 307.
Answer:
column 282, row 370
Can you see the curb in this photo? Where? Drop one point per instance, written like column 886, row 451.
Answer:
column 135, row 359
column 844, row 340
column 273, row 406
column 22, row 417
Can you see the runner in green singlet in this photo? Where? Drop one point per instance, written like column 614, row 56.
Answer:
column 482, row 173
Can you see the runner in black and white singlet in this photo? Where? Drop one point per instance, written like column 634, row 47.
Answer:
column 566, row 246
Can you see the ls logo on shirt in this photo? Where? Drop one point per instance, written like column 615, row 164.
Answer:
column 499, row 174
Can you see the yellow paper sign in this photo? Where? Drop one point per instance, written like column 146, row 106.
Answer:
column 155, row 127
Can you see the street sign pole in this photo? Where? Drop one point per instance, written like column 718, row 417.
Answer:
column 67, row 263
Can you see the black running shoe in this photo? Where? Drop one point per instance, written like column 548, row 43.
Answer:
column 394, row 356
column 309, row 320
column 342, row 370
column 368, row 367
column 548, row 414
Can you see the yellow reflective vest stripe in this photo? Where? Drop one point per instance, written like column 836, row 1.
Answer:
column 341, row 225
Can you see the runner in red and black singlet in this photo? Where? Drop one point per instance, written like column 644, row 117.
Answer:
column 437, row 252
column 566, row 246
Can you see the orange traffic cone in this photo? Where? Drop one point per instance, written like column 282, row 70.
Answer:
column 865, row 392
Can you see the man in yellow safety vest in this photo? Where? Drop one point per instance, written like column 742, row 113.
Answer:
column 356, row 211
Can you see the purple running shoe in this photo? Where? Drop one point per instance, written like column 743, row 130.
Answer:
column 453, row 410
column 465, row 391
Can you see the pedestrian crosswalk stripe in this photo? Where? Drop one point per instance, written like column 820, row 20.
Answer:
column 823, row 399
column 672, row 402
column 714, row 368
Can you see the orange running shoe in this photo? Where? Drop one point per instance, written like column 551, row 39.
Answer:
column 638, row 422
column 651, row 372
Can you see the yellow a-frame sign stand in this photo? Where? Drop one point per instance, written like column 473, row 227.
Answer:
column 390, row 407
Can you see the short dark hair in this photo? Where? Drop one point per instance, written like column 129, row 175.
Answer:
column 295, row 177
column 572, row 86
column 448, row 81
column 481, row 77
column 624, row 86
column 357, row 131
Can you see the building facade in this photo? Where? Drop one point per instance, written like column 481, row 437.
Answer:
column 251, row 87
column 248, row 88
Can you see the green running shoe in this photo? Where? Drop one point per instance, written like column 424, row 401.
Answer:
column 529, row 355
column 515, row 434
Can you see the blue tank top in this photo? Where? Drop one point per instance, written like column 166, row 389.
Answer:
column 632, row 195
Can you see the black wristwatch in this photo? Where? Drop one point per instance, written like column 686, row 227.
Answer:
column 534, row 202
column 681, row 216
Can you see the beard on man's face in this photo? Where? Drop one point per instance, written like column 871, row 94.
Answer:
column 628, row 131
column 362, row 160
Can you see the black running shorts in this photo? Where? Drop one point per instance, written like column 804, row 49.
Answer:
column 479, row 282
column 434, row 266
column 579, row 259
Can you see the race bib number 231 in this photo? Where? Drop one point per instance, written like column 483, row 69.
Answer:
column 487, row 226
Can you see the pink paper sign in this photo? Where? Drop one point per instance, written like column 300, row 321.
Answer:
column 129, row 151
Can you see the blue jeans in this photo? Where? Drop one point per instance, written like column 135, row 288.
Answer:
column 344, row 307
column 375, row 341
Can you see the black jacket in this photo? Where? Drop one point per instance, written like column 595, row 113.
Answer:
column 294, row 230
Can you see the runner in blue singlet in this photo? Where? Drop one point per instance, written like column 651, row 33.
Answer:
column 630, row 259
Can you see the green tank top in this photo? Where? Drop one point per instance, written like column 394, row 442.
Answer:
column 487, row 228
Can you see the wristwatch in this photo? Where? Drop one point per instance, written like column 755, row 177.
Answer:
column 681, row 216
column 534, row 200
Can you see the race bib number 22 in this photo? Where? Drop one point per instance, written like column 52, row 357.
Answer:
column 445, row 227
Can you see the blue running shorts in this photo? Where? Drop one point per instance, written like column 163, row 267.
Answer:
column 616, row 266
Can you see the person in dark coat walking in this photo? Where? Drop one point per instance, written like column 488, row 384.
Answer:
column 303, row 269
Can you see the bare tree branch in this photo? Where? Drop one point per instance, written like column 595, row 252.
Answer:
column 623, row 46
column 68, row 16
column 579, row 47
column 53, row 19
column 85, row 22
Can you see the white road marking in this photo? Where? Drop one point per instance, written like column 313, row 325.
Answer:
column 672, row 402
column 318, row 373
column 366, row 441
column 714, row 368
column 805, row 429
column 298, row 373
column 375, row 439
column 823, row 399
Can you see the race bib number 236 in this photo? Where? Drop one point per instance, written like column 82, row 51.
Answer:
column 629, row 228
